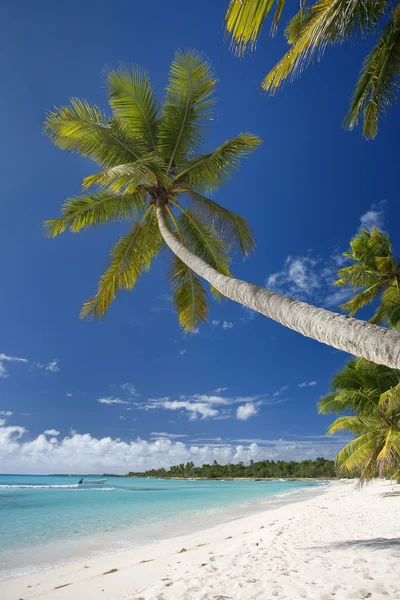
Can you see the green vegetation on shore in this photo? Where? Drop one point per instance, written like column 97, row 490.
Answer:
column 318, row 468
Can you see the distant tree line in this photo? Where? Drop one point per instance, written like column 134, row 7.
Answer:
column 318, row 468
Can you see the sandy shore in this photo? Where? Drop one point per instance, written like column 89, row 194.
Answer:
column 342, row 544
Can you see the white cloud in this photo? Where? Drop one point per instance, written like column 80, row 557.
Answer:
column 279, row 392
column 307, row 384
column 338, row 297
column 195, row 409
column 250, row 314
column 52, row 432
column 111, row 400
column 298, row 277
column 223, row 324
column 246, row 411
column 373, row 217
column 68, row 394
column 208, row 406
column 162, row 434
column 53, row 366
column 6, row 413
column 220, row 390
column 84, row 453
column 2, row 422
column 129, row 389
column 194, row 331
column 6, row 358
column 183, row 352
column 122, row 418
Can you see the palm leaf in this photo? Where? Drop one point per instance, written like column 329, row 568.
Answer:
column 188, row 104
column 84, row 129
column 145, row 171
column 375, row 89
column 95, row 209
column 362, row 299
column 330, row 21
column 210, row 171
column 244, row 20
column 358, row 454
column 204, row 242
column 189, row 296
column 235, row 229
column 130, row 256
column 131, row 97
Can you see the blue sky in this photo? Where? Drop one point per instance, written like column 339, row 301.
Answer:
column 242, row 387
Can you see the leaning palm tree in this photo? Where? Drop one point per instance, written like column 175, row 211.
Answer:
column 374, row 272
column 370, row 395
column 152, row 177
column 315, row 26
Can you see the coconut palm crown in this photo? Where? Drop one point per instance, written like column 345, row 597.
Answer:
column 374, row 273
column 150, row 155
column 317, row 25
column 369, row 395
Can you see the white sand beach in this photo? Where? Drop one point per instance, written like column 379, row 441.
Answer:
column 342, row 544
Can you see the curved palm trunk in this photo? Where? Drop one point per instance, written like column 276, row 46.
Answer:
column 356, row 337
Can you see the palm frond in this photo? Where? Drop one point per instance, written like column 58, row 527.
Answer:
column 331, row 21
column 93, row 210
column 378, row 81
column 359, row 454
column 244, row 20
column 84, row 129
column 130, row 256
column 235, row 229
column 297, row 23
column 210, row 171
column 188, row 104
column 205, row 243
column 354, row 424
column 189, row 296
column 145, row 171
column 131, row 97
column 362, row 299
column 388, row 458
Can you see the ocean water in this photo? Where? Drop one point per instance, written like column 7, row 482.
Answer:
column 51, row 520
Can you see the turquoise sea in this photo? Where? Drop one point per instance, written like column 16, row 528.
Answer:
column 50, row 520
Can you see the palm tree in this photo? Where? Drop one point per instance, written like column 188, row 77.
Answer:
column 328, row 22
column 371, row 394
column 149, row 173
column 375, row 271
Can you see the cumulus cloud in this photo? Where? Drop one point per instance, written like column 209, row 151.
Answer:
column 52, row 432
column 373, row 217
column 5, row 358
column 84, row 453
column 245, row 411
column 307, row 384
column 183, row 352
column 207, row 406
column 111, row 400
column 6, row 413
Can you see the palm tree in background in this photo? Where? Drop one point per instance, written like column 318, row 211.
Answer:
column 370, row 395
column 315, row 26
column 152, row 176
column 375, row 272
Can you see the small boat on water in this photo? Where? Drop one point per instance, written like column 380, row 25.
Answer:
column 83, row 481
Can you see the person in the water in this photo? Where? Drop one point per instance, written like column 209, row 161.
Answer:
column 81, row 480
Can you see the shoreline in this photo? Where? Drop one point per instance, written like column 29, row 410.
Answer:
column 341, row 542
column 204, row 520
